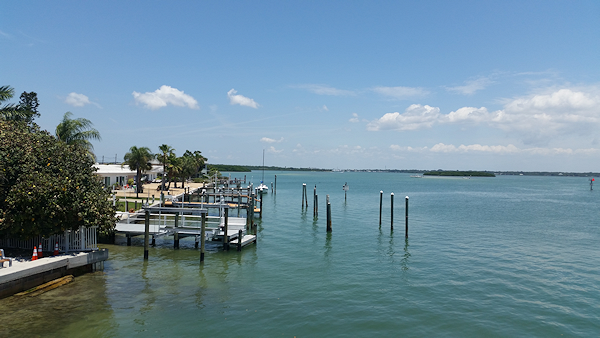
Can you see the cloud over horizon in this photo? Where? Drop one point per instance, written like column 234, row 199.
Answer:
column 537, row 118
column 241, row 100
column 163, row 96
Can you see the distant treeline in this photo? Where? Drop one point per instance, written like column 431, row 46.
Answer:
column 460, row 173
column 248, row 168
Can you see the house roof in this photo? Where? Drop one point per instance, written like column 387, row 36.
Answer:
column 116, row 169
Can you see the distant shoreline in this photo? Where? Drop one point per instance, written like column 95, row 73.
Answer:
column 248, row 168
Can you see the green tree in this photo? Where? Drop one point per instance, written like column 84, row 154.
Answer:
column 47, row 186
column 138, row 159
column 77, row 132
column 25, row 111
column 165, row 152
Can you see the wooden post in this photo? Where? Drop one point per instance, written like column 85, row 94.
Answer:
column 316, row 213
column 225, row 228
column 328, row 215
column 406, row 220
column 127, row 206
column 392, row 212
column 146, row 234
column 202, row 233
column 261, row 205
column 380, row 205
column 153, row 240
column 275, row 190
column 176, row 234
column 239, row 246
column 314, row 199
column 128, row 239
column 303, row 193
column 135, row 205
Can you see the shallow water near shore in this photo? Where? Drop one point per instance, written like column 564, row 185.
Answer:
column 504, row 256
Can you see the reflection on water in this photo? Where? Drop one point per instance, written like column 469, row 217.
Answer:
column 406, row 256
column 469, row 269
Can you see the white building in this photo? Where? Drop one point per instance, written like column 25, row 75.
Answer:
column 114, row 173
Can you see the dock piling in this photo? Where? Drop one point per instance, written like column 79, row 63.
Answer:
column 202, row 236
column 392, row 212
column 406, row 220
column 146, row 233
column 328, row 215
column 239, row 245
column 176, row 234
column 225, row 228
column 275, row 190
column 380, row 205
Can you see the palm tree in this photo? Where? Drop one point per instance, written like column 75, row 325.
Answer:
column 7, row 111
column 77, row 132
column 166, row 152
column 138, row 159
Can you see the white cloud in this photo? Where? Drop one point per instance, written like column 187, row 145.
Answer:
column 469, row 114
column 401, row 92
column 325, row 108
column 449, row 148
column 414, row 117
column 325, row 90
column 471, row 86
column 395, row 147
column 273, row 150
column 77, row 100
column 241, row 100
column 270, row 140
column 163, row 96
column 354, row 118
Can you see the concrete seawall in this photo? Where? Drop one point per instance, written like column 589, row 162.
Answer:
column 26, row 275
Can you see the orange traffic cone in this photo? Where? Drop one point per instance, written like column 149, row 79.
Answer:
column 56, row 249
column 34, row 257
column 40, row 254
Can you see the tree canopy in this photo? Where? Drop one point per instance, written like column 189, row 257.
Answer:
column 77, row 132
column 138, row 159
column 25, row 111
column 47, row 186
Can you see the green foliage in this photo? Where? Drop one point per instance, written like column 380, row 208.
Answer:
column 77, row 132
column 138, row 159
column 460, row 173
column 48, row 186
column 25, row 111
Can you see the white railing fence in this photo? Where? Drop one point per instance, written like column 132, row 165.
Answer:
column 83, row 239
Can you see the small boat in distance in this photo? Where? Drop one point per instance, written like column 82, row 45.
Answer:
column 262, row 188
column 416, row 176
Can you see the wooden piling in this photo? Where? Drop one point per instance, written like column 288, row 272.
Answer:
column 261, row 206
column 153, row 241
column 146, row 233
column 406, row 220
column 328, row 215
column 203, row 236
column 176, row 234
column 314, row 199
column 239, row 246
column 225, row 228
column 275, row 190
column 316, row 213
column 392, row 211
column 128, row 239
column 380, row 205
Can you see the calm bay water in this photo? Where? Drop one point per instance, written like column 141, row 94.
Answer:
column 505, row 256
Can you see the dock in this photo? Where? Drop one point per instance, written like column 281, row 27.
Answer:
column 24, row 275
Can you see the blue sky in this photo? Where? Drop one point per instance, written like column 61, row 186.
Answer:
column 482, row 85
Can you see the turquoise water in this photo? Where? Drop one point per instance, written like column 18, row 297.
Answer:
column 497, row 257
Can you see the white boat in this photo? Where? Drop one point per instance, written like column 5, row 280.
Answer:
column 262, row 188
